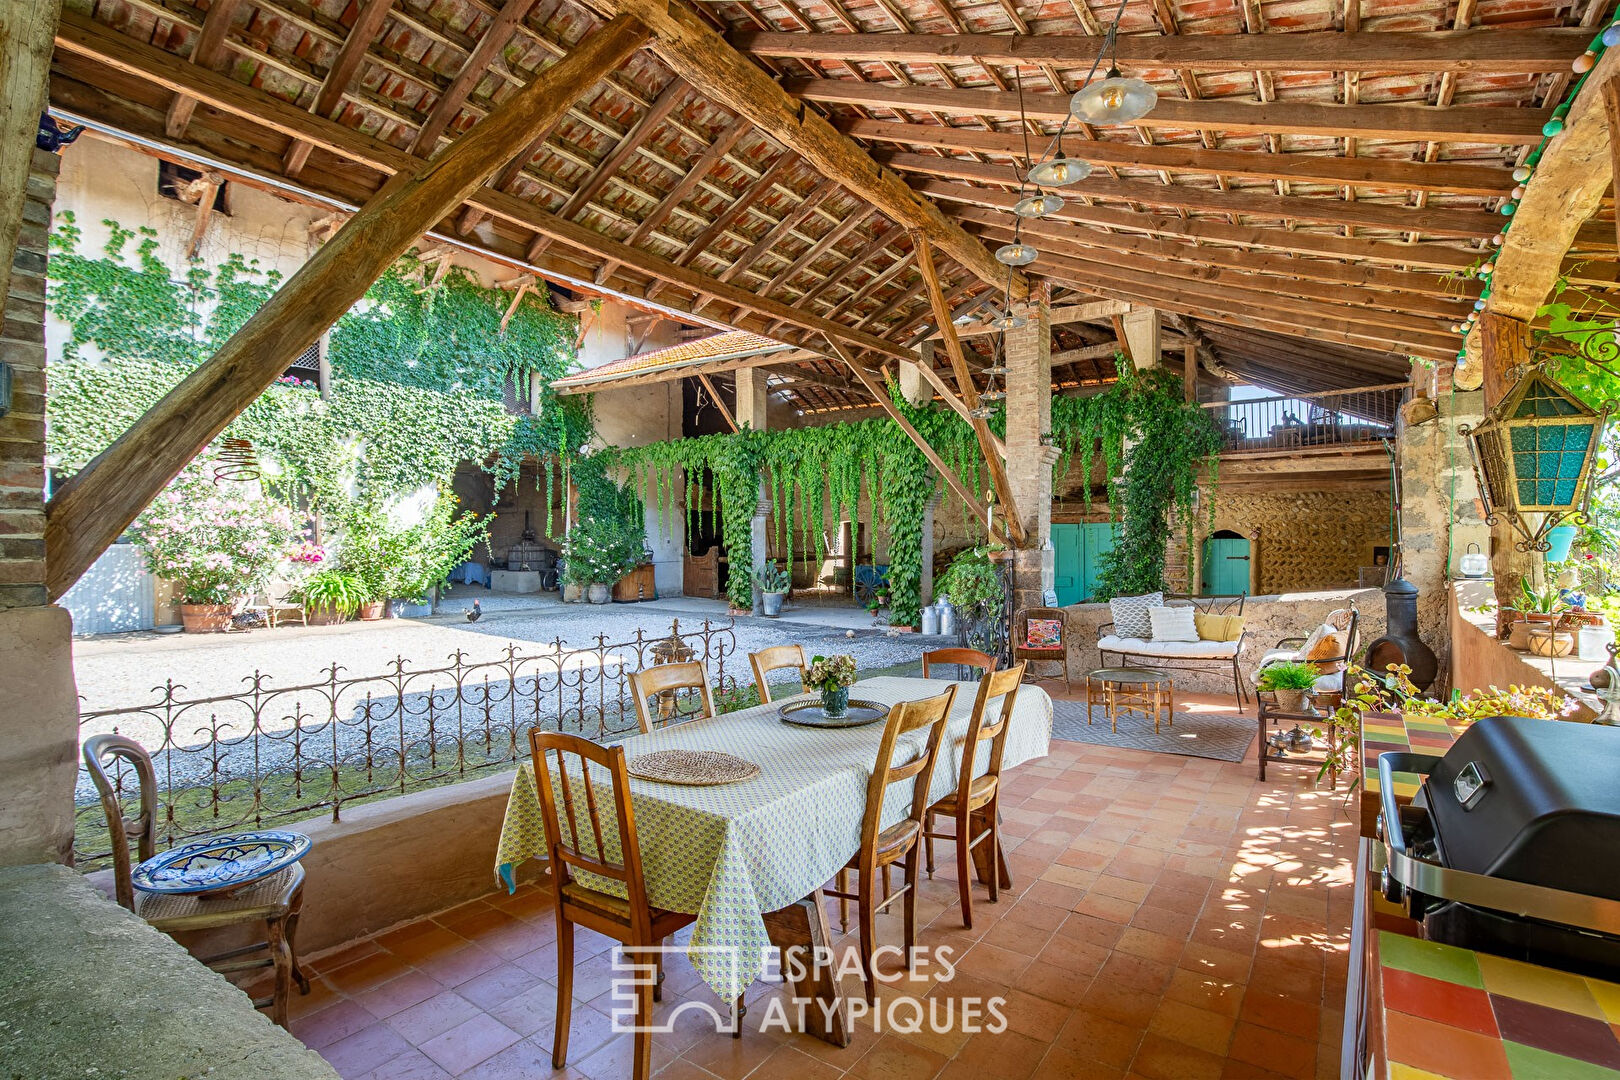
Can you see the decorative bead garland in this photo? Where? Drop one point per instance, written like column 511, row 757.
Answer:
column 1582, row 66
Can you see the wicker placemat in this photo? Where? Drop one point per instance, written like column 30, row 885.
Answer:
column 695, row 768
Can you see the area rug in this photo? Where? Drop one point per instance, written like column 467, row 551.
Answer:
column 1222, row 736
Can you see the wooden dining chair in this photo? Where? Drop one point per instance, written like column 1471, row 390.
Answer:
column 573, row 803
column 972, row 658
column 274, row 901
column 777, row 658
column 975, row 801
column 665, row 681
column 882, row 847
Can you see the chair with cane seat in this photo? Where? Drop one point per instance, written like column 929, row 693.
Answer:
column 976, row 800
column 276, row 901
column 882, row 847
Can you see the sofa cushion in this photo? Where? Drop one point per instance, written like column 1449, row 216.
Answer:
column 1202, row 650
column 1218, row 627
column 1173, row 624
column 1044, row 634
column 1131, row 614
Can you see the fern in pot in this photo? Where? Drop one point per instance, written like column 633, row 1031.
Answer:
column 1291, row 681
column 330, row 596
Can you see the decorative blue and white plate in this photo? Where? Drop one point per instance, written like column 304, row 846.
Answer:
column 219, row 863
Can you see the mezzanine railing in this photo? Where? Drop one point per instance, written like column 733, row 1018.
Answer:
column 1365, row 414
column 246, row 760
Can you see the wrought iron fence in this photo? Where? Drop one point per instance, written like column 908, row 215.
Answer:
column 270, row 752
column 1336, row 418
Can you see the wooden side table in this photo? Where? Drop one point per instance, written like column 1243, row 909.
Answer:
column 1269, row 714
column 1144, row 690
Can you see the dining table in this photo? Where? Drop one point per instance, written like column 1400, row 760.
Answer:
column 749, row 859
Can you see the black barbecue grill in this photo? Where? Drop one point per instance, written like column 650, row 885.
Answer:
column 1512, row 844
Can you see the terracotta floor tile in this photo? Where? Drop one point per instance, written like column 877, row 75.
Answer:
column 433, row 1017
column 1273, row 1050
column 1061, row 1064
column 1160, row 1058
column 367, row 972
column 397, row 995
column 326, row 1026
column 458, row 965
column 893, row 1058
column 365, row 1050
column 1280, row 1012
column 412, row 1065
column 1201, row 1028
column 469, row 1043
column 497, row 985
column 1098, row 1038
column 425, row 942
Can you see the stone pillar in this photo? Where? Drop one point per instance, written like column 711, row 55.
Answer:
column 39, row 722
column 1438, row 514
column 752, row 402
column 1029, row 418
column 913, row 387
column 1142, row 336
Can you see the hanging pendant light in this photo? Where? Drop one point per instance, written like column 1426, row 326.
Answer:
column 1059, row 172
column 1009, row 321
column 1038, row 206
column 992, row 394
column 996, row 369
column 1019, row 254
column 1115, row 100
column 983, row 412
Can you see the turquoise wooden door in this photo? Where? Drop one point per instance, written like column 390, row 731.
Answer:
column 1097, row 540
column 1067, row 560
column 1077, row 559
column 1226, row 566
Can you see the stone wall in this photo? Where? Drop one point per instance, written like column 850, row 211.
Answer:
column 22, row 430
column 1307, row 540
column 1267, row 620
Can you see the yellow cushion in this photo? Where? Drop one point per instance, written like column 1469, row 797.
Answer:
column 1218, row 627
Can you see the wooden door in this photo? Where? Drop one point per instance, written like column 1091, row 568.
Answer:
column 1226, row 566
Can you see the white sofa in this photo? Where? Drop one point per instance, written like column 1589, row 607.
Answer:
column 1181, row 655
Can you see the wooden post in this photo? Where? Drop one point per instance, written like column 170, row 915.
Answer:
column 1611, row 112
column 1504, row 346
column 993, row 461
column 98, row 503
column 1189, row 369
column 27, row 28
column 719, row 402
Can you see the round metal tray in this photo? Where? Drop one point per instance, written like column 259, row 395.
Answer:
column 807, row 713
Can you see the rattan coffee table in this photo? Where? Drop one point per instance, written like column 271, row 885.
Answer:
column 1142, row 690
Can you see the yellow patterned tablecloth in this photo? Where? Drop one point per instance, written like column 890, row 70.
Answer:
column 733, row 852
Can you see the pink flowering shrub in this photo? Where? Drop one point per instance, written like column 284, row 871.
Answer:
column 217, row 542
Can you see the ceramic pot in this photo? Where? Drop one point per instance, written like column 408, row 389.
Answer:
column 1290, row 701
column 1559, row 540
column 1545, row 641
column 372, row 611
column 401, row 608
column 572, row 592
column 598, row 592
column 206, row 618
column 324, row 616
column 1519, row 635
column 770, row 604
column 835, row 701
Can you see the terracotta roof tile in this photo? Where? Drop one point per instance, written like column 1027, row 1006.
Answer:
column 733, row 344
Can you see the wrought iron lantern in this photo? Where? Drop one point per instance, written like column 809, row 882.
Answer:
column 1533, row 454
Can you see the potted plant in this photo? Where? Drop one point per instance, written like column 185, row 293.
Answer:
column 217, row 542
column 1290, row 681
column 419, row 557
column 598, row 552
column 367, row 556
column 330, row 596
column 833, row 676
column 773, row 583
column 973, row 587
column 1541, row 610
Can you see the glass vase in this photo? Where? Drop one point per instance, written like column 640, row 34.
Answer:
column 835, row 701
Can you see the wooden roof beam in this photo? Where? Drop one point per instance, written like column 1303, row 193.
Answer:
column 686, row 43
column 495, row 38
column 734, row 209
column 342, row 72
column 1495, row 51
column 1461, row 224
column 1487, row 127
column 1381, row 173
column 207, row 52
column 96, row 504
column 1382, row 252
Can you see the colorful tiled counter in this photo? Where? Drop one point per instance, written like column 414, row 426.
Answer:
column 1465, row 1015
column 1383, row 733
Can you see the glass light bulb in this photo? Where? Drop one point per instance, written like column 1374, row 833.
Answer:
column 1016, row 255
column 1060, row 172
column 1115, row 100
column 1037, row 206
column 993, row 395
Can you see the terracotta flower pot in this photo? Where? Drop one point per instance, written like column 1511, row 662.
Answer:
column 206, row 618
column 1545, row 641
column 1519, row 635
column 324, row 616
column 372, row 611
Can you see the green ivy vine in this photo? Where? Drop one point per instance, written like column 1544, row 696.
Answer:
column 420, row 371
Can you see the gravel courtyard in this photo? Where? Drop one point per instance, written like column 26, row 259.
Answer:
column 413, row 723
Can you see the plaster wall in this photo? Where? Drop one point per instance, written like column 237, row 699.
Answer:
column 39, row 735
column 636, row 416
